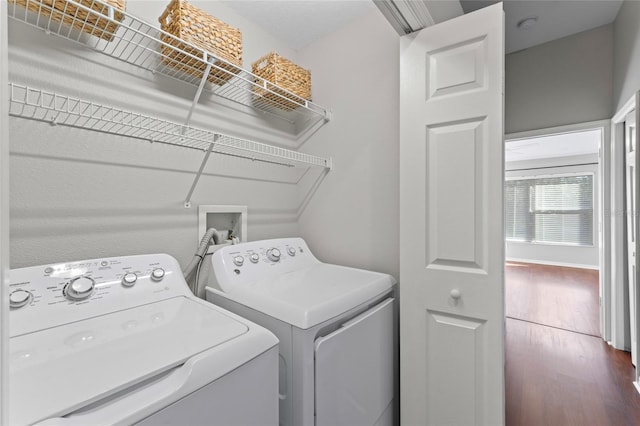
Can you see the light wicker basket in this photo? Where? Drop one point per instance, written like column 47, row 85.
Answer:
column 80, row 19
column 194, row 26
column 286, row 75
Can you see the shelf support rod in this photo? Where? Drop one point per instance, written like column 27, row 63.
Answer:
column 187, row 201
column 199, row 91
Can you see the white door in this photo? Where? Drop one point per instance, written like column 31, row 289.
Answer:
column 451, row 222
column 632, row 222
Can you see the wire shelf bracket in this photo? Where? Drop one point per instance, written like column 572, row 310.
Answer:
column 187, row 201
column 138, row 43
column 198, row 93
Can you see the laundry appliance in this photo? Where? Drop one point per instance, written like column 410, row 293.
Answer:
column 121, row 340
column 336, row 326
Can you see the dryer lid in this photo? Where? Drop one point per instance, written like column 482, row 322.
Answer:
column 310, row 296
column 61, row 369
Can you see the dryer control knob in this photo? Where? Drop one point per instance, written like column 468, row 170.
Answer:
column 254, row 258
column 157, row 274
column 79, row 288
column 273, row 254
column 291, row 251
column 238, row 260
column 19, row 298
column 129, row 279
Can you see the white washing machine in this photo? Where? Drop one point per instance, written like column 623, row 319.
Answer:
column 336, row 326
column 121, row 340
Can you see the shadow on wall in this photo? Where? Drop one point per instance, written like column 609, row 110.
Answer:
column 311, row 191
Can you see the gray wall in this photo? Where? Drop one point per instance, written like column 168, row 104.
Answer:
column 353, row 216
column 562, row 82
column 626, row 53
column 77, row 194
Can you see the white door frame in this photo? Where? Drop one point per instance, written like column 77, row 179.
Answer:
column 4, row 215
column 604, row 194
column 619, row 332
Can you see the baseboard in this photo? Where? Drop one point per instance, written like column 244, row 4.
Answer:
column 618, row 347
column 552, row 263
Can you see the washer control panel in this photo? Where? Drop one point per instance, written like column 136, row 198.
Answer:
column 258, row 260
column 50, row 295
column 273, row 254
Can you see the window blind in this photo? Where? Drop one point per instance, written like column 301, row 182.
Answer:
column 551, row 209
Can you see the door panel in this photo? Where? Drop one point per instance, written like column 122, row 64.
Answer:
column 354, row 371
column 463, row 342
column 457, row 68
column 451, row 222
column 455, row 224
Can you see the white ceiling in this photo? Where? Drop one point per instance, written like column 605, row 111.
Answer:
column 301, row 22
column 554, row 146
column 556, row 19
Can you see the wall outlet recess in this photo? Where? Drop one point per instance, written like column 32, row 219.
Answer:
column 224, row 219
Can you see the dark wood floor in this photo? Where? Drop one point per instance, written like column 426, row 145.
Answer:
column 560, row 297
column 556, row 376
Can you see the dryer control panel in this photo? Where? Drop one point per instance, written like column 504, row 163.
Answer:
column 259, row 260
column 50, row 295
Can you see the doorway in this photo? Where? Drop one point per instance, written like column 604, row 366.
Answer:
column 625, row 231
column 559, row 368
column 551, row 230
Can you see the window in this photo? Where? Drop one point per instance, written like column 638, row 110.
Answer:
column 552, row 209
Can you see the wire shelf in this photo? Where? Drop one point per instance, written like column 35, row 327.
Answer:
column 36, row 104
column 127, row 38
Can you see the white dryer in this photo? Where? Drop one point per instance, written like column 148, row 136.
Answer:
column 121, row 340
column 336, row 326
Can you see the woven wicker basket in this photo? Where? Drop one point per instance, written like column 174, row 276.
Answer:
column 196, row 27
column 88, row 22
column 285, row 74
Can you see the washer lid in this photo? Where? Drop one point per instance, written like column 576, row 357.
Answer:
column 58, row 370
column 307, row 297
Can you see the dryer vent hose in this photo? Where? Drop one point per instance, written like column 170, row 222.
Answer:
column 211, row 234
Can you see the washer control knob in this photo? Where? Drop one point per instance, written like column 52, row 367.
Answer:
column 129, row 279
column 19, row 298
column 157, row 274
column 238, row 260
column 291, row 251
column 80, row 288
column 254, row 258
column 273, row 254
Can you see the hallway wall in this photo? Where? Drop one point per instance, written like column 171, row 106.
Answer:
column 562, row 82
column 626, row 53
